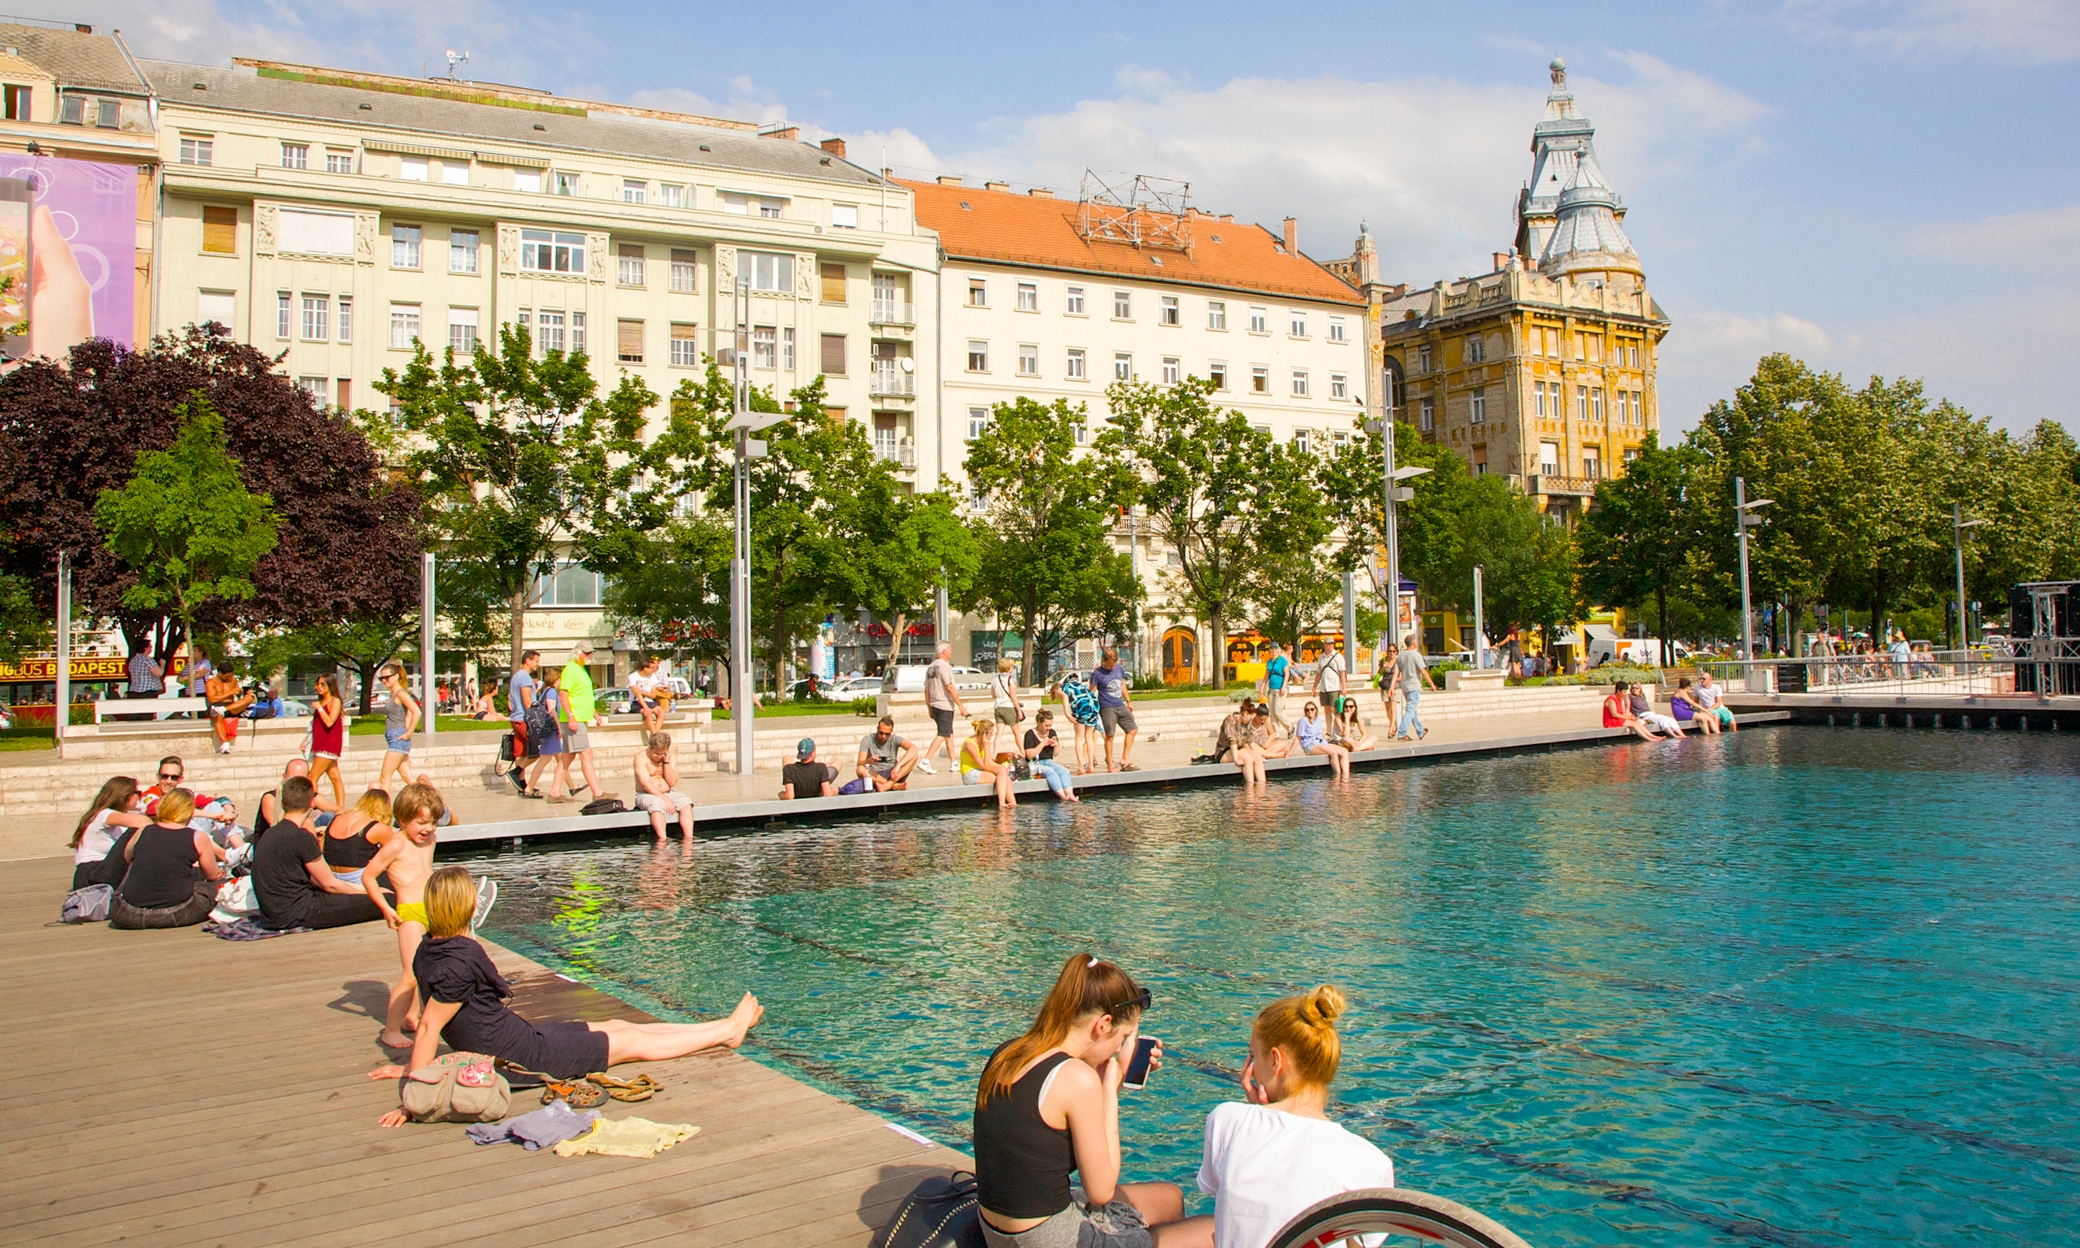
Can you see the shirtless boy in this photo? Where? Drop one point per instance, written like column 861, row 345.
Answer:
column 407, row 860
column 657, row 782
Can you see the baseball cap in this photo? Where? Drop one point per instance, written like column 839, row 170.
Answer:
column 583, row 647
column 805, row 747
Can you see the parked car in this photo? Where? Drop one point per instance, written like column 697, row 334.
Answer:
column 909, row 678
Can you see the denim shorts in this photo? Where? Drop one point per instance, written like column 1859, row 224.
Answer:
column 397, row 745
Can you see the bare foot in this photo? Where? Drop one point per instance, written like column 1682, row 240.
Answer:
column 744, row 1018
column 401, row 1042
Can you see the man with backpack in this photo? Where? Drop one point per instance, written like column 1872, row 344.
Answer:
column 520, row 694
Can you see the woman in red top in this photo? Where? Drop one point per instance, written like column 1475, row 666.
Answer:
column 329, row 738
column 1617, row 713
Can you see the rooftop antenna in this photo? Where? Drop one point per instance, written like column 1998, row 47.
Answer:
column 455, row 60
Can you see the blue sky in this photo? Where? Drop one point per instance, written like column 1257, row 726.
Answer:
column 1878, row 186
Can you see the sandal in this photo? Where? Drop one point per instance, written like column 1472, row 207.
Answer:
column 576, row 1092
column 640, row 1088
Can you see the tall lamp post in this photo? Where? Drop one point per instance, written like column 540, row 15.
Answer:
column 1745, row 519
column 1396, row 494
column 1958, row 524
column 743, row 425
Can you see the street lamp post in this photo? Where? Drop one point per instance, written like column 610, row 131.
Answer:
column 430, row 708
column 1396, row 494
column 1958, row 524
column 1480, row 621
column 743, row 424
column 1744, row 519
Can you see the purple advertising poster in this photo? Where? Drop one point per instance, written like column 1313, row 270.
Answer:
column 81, row 250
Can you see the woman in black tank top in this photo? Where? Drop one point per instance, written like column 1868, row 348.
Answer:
column 171, row 879
column 1049, row 1105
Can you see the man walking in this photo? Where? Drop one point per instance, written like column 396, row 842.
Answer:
column 1410, row 676
column 579, row 706
column 944, row 702
column 1329, row 677
column 1275, row 673
column 1115, row 708
column 520, row 692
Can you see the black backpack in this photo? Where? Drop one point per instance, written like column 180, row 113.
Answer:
column 943, row 1212
column 603, row 806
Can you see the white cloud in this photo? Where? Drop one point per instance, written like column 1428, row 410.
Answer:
column 1710, row 353
column 2044, row 240
column 2016, row 32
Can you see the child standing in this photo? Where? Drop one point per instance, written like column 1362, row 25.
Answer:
column 408, row 860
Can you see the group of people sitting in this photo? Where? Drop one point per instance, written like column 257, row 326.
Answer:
column 1247, row 737
column 1701, row 706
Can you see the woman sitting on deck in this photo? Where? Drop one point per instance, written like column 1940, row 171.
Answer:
column 1311, row 736
column 1233, row 743
column 173, row 874
column 1349, row 729
column 1617, row 713
column 1048, row 1106
column 464, row 1005
column 112, row 818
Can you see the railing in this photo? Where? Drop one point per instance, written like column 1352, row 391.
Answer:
column 903, row 455
column 887, row 383
column 1544, row 484
column 890, row 312
column 2051, row 668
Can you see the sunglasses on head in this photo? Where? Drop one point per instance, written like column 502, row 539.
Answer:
column 1139, row 1002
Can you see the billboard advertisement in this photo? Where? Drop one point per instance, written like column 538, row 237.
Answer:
column 68, row 253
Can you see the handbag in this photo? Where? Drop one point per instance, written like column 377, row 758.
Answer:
column 505, row 747
column 456, row 1087
column 944, row 1211
column 86, row 905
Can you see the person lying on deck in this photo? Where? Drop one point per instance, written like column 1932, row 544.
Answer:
column 465, row 1006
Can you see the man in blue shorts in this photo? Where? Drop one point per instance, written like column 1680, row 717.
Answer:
column 1115, row 708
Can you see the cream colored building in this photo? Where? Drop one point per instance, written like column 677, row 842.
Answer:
column 339, row 217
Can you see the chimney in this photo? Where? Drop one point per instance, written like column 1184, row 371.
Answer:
column 949, row 179
column 835, row 147
column 1292, row 235
column 996, row 186
column 1501, row 260
column 1040, row 192
column 790, row 133
column 1227, row 218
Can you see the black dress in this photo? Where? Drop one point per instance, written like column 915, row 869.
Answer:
column 455, row 970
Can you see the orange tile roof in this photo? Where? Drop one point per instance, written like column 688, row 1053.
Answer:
column 1005, row 227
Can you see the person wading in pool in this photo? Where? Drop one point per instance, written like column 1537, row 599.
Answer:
column 1048, row 1106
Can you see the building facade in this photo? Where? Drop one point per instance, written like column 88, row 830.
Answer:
column 1544, row 368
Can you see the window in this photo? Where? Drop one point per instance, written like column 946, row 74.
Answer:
column 833, row 354
column 1592, row 464
column 194, row 151
column 844, row 216
column 1422, row 359
column 685, row 272
column 220, row 231
column 1299, row 383
column 552, row 251
column 1028, row 297
column 1260, row 380
column 1477, row 412
column 216, row 306
column 628, row 343
column 1122, row 305
column 1122, row 366
column 1632, row 355
column 787, row 348
column 566, row 183
column 339, row 162
column 671, row 194
column 1336, row 330
column 1596, row 405
column 282, row 314
column 978, row 422
column 346, row 388
column 550, row 337
column 1298, row 328
column 978, row 293
column 404, row 326
column 685, row 347
column 1028, row 359
column 1218, row 374
column 1074, row 306
column 769, row 210
column 346, row 323
column 404, row 246
column 1080, row 431
column 529, row 180
column 634, row 192
column 577, row 333
column 833, row 282
column 1303, row 441
column 569, row 586
column 1472, row 350
column 767, row 271
column 462, row 251
column 628, row 265
column 1217, row 314
column 462, row 331
column 1075, row 365
column 412, row 169
column 1549, row 458
column 72, row 111
column 314, row 387
column 1595, row 349
column 296, row 155
column 1538, row 397
column 765, row 347
column 1429, row 416
column 1171, row 371
column 19, row 100
column 1581, row 401
column 317, row 318
column 455, row 172
column 1339, row 386
column 978, row 356
column 1170, row 313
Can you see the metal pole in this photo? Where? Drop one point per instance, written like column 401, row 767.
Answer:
column 1393, row 525
column 429, row 707
column 1964, row 641
column 1350, row 630
column 61, row 715
column 940, row 624
column 1480, row 621
column 741, row 694
column 1740, row 523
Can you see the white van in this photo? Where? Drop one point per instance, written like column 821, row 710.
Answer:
column 1633, row 651
column 909, row 678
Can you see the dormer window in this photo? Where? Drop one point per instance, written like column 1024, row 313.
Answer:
column 19, row 102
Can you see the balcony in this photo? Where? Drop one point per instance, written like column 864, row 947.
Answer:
column 1582, row 487
column 888, row 383
column 902, row 454
column 891, row 312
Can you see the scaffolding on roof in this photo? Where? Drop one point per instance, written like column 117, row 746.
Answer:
column 1140, row 212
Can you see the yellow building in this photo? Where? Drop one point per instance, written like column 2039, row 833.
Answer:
column 1543, row 369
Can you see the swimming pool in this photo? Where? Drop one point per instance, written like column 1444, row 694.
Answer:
column 1791, row 986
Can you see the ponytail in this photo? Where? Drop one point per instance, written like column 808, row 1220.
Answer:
column 1085, row 987
column 1305, row 1027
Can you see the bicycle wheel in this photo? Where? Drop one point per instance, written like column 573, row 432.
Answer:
column 1393, row 1211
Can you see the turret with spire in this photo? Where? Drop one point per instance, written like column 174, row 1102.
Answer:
column 1568, row 217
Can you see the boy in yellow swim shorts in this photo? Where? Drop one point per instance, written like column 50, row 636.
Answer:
column 407, row 860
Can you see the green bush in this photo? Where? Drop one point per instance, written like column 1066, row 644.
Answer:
column 863, row 705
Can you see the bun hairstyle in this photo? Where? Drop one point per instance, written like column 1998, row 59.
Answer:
column 1085, row 987
column 1305, row 1027
column 175, row 808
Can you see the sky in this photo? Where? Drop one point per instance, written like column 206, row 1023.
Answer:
column 1876, row 186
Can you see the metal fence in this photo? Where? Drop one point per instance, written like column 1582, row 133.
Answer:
column 2045, row 667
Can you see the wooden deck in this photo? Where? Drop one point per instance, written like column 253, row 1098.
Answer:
column 168, row 1088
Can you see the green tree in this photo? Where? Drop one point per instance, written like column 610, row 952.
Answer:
column 1045, row 557
column 668, row 589
column 1293, row 581
column 187, row 523
column 1636, row 541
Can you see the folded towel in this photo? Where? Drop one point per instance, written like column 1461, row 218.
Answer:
column 627, row 1137
column 544, row 1127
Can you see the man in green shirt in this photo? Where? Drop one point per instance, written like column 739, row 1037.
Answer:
column 576, row 683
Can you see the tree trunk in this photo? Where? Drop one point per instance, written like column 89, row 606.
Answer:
column 1219, row 620
column 895, row 638
column 1026, row 631
column 519, row 627
column 367, row 671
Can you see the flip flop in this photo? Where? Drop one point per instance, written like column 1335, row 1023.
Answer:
column 577, row 1093
column 640, row 1088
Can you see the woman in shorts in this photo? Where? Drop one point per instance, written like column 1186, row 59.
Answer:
column 329, row 736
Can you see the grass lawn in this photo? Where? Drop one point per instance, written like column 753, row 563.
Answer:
column 28, row 738
column 774, row 710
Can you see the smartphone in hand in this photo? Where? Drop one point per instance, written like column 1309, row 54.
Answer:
column 1137, row 1068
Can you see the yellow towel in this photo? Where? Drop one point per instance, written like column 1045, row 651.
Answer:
column 628, row 1137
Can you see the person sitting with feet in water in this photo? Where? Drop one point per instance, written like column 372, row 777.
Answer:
column 1048, row 1106
column 1617, row 713
column 465, row 1006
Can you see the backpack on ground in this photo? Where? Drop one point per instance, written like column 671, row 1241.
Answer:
column 944, row 1211
column 456, row 1087
column 87, row 905
column 603, row 806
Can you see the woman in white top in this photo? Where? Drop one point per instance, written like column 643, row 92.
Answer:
column 1003, row 694
column 114, row 809
column 1273, row 1157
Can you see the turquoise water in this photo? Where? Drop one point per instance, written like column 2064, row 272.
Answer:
column 1795, row 986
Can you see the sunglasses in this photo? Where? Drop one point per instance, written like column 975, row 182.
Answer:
column 169, row 775
column 1140, row 1001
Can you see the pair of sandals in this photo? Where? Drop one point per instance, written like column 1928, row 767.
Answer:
column 593, row 1090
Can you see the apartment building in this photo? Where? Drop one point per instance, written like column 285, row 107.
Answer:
column 1051, row 298
column 341, row 217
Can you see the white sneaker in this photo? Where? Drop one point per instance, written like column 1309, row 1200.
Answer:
column 487, row 896
column 925, row 765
